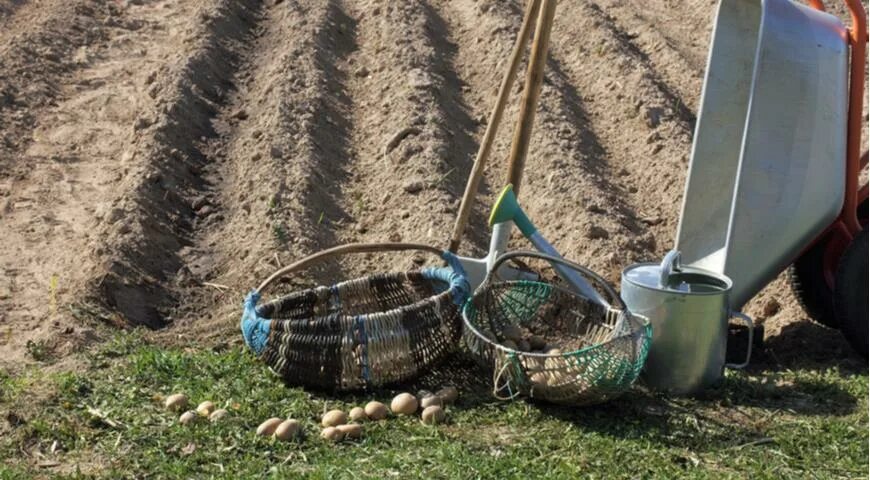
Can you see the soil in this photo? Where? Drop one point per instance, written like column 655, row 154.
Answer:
column 159, row 158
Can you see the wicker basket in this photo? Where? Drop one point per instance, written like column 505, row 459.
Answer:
column 611, row 343
column 361, row 333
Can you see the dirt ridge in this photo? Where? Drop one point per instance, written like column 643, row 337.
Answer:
column 160, row 158
column 27, row 87
column 411, row 128
column 677, row 66
column 280, row 161
column 563, row 142
column 155, row 213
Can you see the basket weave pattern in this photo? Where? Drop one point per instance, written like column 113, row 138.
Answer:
column 612, row 344
column 366, row 332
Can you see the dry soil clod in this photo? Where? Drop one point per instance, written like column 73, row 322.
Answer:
column 397, row 138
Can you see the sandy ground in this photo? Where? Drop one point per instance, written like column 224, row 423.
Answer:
column 158, row 158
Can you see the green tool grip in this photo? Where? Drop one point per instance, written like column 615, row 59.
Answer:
column 507, row 208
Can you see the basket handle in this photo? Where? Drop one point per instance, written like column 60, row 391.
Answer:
column 614, row 297
column 344, row 249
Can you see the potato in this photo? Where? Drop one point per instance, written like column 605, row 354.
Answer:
column 404, row 404
column 176, row 402
column 332, row 434
column 448, row 394
column 524, row 346
column 433, row 415
column 288, row 430
column 512, row 332
column 350, row 430
column 334, row 418
column 267, row 428
column 376, row 410
column 431, row 400
column 358, row 414
column 218, row 415
column 537, row 342
column 205, row 408
column 187, row 417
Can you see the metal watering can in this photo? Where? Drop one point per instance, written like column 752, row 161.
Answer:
column 689, row 311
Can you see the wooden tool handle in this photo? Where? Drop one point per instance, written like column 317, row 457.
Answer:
column 534, row 79
column 483, row 152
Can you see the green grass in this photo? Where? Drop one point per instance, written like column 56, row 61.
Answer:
column 107, row 421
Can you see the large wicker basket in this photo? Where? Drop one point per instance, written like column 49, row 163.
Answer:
column 611, row 343
column 362, row 333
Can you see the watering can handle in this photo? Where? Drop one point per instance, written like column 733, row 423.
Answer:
column 670, row 264
column 344, row 249
column 614, row 297
column 748, row 321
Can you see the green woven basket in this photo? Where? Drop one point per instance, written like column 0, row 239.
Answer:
column 610, row 344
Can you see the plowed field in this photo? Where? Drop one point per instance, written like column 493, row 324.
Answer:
column 158, row 158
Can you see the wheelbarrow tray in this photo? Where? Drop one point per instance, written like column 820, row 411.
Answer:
column 767, row 168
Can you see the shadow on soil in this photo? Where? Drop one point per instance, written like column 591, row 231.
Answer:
column 806, row 344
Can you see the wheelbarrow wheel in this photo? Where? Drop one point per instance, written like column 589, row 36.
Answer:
column 806, row 276
column 807, row 281
column 850, row 294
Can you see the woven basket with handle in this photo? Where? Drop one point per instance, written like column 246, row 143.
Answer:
column 362, row 333
column 610, row 343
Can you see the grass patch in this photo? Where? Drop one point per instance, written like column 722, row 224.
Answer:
column 108, row 422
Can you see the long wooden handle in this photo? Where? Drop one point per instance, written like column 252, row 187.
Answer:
column 534, row 79
column 483, row 152
column 344, row 249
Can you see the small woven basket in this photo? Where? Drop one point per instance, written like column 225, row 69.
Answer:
column 611, row 343
column 362, row 333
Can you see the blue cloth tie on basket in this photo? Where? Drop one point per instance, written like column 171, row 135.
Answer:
column 454, row 276
column 255, row 329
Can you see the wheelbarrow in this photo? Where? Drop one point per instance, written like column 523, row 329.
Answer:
column 774, row 171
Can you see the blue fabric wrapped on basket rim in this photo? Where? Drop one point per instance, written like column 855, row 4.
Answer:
column 366, row 332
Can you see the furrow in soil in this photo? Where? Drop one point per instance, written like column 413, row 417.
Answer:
column 153, row 217
column 75, row 162
column 411, row 142
column 646, row 128
column 566, row 189
column 41, row 45
column 276, row 167
column 677, row 62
